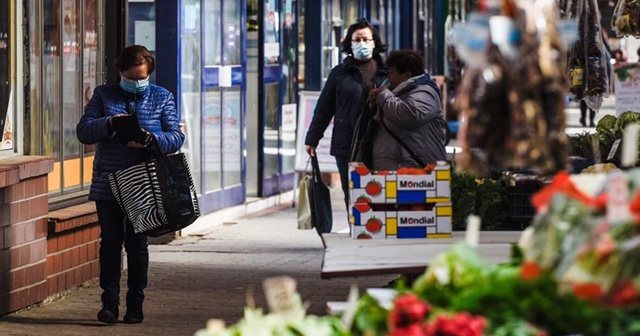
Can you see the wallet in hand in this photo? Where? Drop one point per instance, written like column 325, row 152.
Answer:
column 127, row 129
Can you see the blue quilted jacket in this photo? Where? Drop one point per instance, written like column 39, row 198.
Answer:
column 156, row 112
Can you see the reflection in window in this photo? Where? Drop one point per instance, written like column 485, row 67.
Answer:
column 32, row 119
column 231, row 31
column 190, row 91
column 272, row 125
column 213, row 46
column 64, row 69
column 6, row 126
column 271, row 33
column 232, row 136
column 212, row 137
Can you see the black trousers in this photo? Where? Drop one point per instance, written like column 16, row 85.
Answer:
column 114, row 231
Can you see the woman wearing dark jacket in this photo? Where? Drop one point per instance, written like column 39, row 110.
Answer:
column 411, row 109
column 345, row 93
column 155, row 109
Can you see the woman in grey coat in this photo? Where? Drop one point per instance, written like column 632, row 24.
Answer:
column 411, row 109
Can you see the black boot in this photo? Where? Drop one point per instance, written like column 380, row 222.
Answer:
column 109, row 312
column 134, row 313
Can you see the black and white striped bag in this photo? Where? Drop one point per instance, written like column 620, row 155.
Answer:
column 158, row 196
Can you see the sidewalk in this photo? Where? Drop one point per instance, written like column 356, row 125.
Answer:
column 197, row 278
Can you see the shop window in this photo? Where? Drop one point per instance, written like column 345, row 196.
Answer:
column 64, row 68
column 6, row 112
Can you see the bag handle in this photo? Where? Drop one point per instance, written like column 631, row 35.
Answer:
column 414, row 156
column 315, row 166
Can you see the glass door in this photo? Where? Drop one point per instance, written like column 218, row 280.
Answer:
column 277, row 93
column 222, row 117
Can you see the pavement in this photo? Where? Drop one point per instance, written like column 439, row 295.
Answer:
column 211, row 275
column 197, row 278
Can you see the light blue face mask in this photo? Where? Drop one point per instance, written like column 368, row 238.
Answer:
column 362, row 50
column 134, row 86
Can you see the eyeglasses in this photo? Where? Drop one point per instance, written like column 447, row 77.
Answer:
column 361, row 40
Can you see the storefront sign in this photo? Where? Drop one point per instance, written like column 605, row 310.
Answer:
column 308, row 101
column 627, row 88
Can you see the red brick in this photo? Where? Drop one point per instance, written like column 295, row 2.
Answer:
column 50, row 265
column 52, row 285
column 29, row 231
column 82, row 253
column 17, row 279
column 41, row 228
column 58, row 265
column 52, row 244
column 77, row 273
column 39, row 206
column 1, row 237
column 5, row 215
column 25, row 211
column 25, row 254
column 40, row 185
column 75, row 256
column 45, row 167
column 95, row 268
column 14, row 258
column 14, row 235
column 62, row 282
column 29, row 188
column 14, row 192
column 39, row 250
column 5, row 260
column 86, row 234
column 70, row 274
column 77, row 238
column 66, row 260
column 91, row 251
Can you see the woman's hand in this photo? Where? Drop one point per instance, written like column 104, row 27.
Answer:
column 310, row 150
column 373, row 94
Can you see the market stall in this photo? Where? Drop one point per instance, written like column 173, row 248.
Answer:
column 575, row 270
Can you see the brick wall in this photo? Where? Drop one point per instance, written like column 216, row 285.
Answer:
column 24, row 205
column 72, row 247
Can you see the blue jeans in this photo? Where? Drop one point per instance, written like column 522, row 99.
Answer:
column 113, row 233
column 343, row 168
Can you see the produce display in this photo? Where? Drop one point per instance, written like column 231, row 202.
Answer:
column 576, row 271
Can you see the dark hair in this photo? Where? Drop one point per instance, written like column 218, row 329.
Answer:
column 133, row 56
column 406, row 60
column 361, row 24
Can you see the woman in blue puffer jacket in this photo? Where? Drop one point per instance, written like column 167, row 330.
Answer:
column 155, row 110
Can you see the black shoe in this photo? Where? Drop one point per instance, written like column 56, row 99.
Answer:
column 134, row 313
column 109, row 313
column 583, row 122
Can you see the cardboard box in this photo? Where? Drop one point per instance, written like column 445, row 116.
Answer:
column 391, row 187
column 434, row 222
column 407, row 203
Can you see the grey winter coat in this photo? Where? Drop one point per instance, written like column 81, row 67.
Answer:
column 156, row 112
column 416, row 117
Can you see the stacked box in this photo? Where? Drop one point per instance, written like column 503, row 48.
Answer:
column 408, row 203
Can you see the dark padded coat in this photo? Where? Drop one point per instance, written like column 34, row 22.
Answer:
column 156, row 112
column 342, row 99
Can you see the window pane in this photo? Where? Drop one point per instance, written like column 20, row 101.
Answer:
column 6, row 135
column 32, row 114
column 212, row 138
column 271, row 32
column 213, row 47
column 231, row 31
column 272, row 125
column 52, row 90
column 289, row 70
column 232, row 135
column 71, row 94
column 190, row 91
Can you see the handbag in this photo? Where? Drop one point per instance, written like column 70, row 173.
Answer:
column 320, row 200
column 157, row 196
column 304, row 205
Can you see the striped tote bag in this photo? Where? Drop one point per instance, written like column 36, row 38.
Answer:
column 158, row 196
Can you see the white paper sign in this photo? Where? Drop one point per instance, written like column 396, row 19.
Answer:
column 627, row 88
